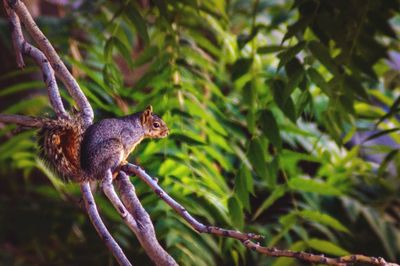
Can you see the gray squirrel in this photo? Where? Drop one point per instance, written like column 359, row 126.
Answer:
column 80, row 154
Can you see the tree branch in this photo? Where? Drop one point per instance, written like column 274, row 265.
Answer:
column 20, row 45
column 246, row 238
column 16, row 33
column 55, row 61
column 28, row 121
column 146, row 234
column 101, row 229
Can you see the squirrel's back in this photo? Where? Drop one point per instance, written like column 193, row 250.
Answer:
column 59, row 140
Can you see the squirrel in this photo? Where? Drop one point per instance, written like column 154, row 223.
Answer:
column 81, row 154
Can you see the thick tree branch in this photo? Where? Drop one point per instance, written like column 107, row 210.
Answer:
column 146, row 234
column 101, row 229
column 27, row 121
column 20, row 45
column 16, row 33
column 247, row 238
column 55, row 61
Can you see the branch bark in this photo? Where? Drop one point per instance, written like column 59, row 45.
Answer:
column 146, row 233
column 21, row 46
column 55, row 61
column 248, row 238
column 28, row 121
column 42, row 59
column 101, row 229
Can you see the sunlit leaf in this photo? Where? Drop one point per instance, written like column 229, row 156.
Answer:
column 311, row 185
column 326, row 247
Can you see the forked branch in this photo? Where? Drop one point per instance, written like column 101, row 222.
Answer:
column 135, row 218
column 43, row 59
column 101, row 229
column 247, row 238
column 21, row 46
column 55, row 61
column 146, row 233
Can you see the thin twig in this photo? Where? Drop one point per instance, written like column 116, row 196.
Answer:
column 246, row 238
column 133, row 169
column 55, row 61
column 146, row 233
column 101, row 229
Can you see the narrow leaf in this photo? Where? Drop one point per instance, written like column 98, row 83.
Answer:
column 241, row 67
column 277, row 193
column 311, row 185
column 138, row 21
column 241, row 188
column 326, row 247
column 256, row 156
column 323, row 218
column 322, row 54
column 290, row 53
column 270, row 128
column 236, row 212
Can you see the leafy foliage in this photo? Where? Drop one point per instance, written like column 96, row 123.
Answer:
column 265, row 101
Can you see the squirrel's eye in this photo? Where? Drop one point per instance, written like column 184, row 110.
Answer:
column 156, row 124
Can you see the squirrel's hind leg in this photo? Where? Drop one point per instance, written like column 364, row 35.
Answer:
column 110, row 193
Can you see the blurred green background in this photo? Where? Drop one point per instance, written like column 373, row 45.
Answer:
column 283, row 116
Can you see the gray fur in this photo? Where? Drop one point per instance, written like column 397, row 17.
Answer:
column 109, row 142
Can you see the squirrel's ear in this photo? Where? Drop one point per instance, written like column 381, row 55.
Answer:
column 149, row 108
column 147, row 113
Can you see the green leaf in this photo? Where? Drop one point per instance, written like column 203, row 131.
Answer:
column 236, row 212
column 312, row 185
column 241, row 67
column 289, row 110
column 353, row 84
column 256, row 155
column 191, row 140
column 298, row 27
column 270, row 128
column 302, row 101
column 277, row 193
column 326, row 247
column 146, row 56
column 295, row 72
column 319, row 80
column 277, row 86
column 290, row 53
column 323, row 218
column 112, row 77
column 138, row 21
column 21, row 86
column 241, row 189
column 268, row 49
column 322, row 54
column 249, row 93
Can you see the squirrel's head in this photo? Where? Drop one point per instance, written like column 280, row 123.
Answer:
column 153, row 126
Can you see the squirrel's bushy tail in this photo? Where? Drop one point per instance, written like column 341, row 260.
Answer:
column 59, row 141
